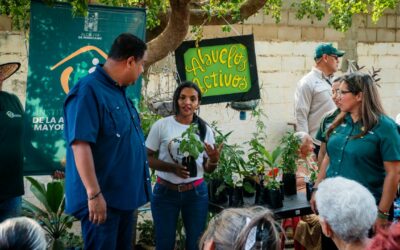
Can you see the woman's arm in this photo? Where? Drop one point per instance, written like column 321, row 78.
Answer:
column 390, row 185
column 321, row 153
column 164, row 166
column 321, row 177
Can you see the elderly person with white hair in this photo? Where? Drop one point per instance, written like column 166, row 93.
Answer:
column 306, row 163
column 347, row 211
column 22, row 233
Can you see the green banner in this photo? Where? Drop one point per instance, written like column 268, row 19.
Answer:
column 62, row 49
column 224, row 68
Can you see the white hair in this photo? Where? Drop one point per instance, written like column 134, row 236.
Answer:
column 22, row 233
column 302, row 136
column 347, row 206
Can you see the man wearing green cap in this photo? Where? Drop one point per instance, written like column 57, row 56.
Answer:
column 313, row 92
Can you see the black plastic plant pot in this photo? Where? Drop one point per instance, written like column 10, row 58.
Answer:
column 265, row 196
column 289, row 184
column 282, row 191
column 219, row 198
column 259, row 199
column 235, row 197
column 309, row 186
column 275, row 199
column 251, row 183
column 190, row 163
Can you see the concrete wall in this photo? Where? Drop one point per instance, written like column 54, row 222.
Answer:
column 284, row 54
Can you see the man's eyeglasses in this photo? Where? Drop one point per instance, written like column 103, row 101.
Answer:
column 342, row 92
column 334, row 56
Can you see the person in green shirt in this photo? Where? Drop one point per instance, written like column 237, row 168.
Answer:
column 364, row 143
column 327, row 119
column 11, row 136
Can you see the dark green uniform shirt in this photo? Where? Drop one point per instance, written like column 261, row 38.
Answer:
column 325, row 123
column 362, row 159
column 11, row 157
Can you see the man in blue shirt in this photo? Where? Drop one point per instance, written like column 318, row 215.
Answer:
column 107, row 174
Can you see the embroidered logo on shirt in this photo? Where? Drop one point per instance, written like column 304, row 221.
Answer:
column 12, row 115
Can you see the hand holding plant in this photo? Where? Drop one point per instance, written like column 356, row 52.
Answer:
column 191, row 147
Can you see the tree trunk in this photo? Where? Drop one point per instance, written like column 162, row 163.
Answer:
column 173, row 34
column 180, row 17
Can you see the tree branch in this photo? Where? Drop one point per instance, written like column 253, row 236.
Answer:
column 173, row 34
column 180, row 17
column 246, row 9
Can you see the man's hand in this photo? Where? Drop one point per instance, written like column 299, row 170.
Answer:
column 97, row 210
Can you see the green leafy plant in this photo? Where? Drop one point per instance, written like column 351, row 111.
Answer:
column 50, row 214
column 191, row 145
column 312, row 168
column 290, row 152
column 258, row 156
column 147, row 118
column 147, row 233
column 231, row 164
column 270, row 179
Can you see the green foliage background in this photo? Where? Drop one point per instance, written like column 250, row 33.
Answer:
column 340, row 11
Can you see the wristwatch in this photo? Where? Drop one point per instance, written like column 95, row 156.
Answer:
column 313, row 189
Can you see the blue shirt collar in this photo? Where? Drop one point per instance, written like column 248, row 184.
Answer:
column 107, row 79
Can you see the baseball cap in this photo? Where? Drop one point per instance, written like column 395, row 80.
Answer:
column 327, row 48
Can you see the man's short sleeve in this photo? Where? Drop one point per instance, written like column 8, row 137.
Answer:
column 303, row 99
column 81, row 113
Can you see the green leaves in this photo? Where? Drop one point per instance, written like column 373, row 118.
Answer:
column 290, row 152
column 340, row 11
column 310, row 9
column 191, row 144
column 50, row 212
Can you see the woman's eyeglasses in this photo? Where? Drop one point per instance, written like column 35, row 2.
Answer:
column 342, row 92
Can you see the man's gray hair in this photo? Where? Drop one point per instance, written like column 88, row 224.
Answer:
column 347, row 206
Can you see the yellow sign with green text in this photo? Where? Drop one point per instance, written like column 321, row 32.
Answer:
column 223, row 68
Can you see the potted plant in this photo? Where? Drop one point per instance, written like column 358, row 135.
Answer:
column 50, row 215
column 265, row 161
column 290, row 154
column 272, row 190
column 310, row 179
column 228, row 176
column 191, row 147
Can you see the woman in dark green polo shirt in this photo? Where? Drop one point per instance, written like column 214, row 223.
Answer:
column 328, row 118
column 364, row 143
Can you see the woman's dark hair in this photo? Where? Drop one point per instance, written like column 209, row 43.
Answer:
column 202, row 125
column 371, row 106
column 127, row 45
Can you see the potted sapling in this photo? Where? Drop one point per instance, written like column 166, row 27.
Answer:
column 191, row 147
